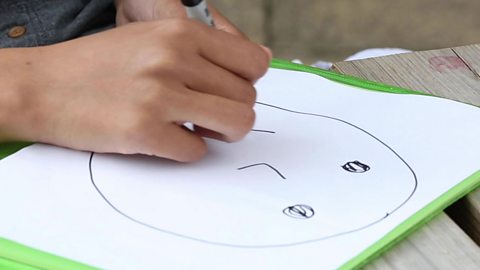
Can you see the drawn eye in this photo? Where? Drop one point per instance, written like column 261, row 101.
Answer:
column 300, row 211
column 355, row 167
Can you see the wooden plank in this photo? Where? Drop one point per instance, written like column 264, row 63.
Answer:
column 470, row 56
column 449, row 73
column 466, row 214
column 473, row 204
column 438, row 72
column 426, row 249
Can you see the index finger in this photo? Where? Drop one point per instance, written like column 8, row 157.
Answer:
column 236, row 54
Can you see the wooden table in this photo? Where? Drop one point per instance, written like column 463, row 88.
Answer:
column 452, row 239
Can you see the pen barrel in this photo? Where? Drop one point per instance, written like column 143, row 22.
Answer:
column 191, row 3
column 200, row 12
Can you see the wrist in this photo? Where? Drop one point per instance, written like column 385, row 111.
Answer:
column 17, row 105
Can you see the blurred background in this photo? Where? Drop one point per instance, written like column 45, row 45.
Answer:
column 331, row 30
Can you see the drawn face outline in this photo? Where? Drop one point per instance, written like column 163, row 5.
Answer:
column 410, row 182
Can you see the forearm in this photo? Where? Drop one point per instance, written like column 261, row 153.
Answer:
column 15, row 104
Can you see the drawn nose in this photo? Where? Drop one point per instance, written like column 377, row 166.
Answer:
column 300, row 211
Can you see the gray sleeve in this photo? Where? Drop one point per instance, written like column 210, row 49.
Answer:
column 50, row 21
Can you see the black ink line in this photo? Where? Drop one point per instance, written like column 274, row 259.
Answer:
column 277, row 245
column 355, row 167
column 265, row 164
column 299, row 211
column 262, row 130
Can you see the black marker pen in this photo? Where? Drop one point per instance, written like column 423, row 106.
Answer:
column 197, row 9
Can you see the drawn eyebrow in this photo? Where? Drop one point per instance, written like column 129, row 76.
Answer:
column 264, row 164
column 263, row 130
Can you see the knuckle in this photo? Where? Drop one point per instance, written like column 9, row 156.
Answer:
column 135, row 128
column 157, row 99
column 151, row 99
column 251, row 95
column 244, row 124
column 248, row 120
column 139, row 124
column 261, row 64
column 161, row 63
column 194, row 152
column 243, row 92
column 180, row 28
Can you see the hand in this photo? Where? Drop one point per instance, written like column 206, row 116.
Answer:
column 130, row 89
column 149, row 10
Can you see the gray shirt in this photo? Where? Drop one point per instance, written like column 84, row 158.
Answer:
column 28, row 23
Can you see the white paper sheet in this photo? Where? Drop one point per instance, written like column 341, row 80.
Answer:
column 328, row 170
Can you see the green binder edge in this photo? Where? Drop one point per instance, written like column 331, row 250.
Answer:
column 10, row 148
column 342, row 78
column 15, row 256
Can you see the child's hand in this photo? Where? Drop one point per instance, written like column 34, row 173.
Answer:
column 129, row 90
